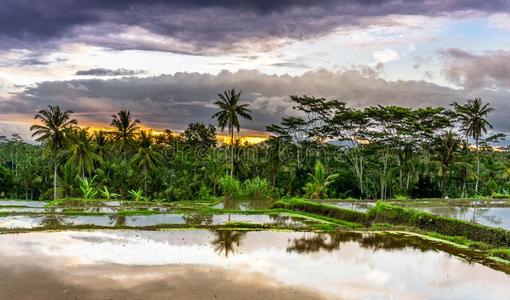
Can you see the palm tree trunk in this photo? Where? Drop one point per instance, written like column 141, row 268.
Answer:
column 145, row 177
column 477, row 166
column 231, row 150
column 55, row 181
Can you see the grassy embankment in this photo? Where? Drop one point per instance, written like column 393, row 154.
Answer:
column 494, row 241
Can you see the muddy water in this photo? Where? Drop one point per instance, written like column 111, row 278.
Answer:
column 200, row 264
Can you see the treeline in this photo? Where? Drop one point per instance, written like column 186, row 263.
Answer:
column 326, row 150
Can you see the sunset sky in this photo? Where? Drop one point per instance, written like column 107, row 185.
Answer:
column 166, row 60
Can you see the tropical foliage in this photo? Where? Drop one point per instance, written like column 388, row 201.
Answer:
column 327, row 149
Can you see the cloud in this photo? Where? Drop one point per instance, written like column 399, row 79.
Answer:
column 202, row 26
column 109, row 72
column 174, row 101
column 468, row 70
column 386, row 55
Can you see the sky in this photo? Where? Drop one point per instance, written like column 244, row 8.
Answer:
column 166, row 61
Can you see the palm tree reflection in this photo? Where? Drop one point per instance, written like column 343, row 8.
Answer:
column 227, row 241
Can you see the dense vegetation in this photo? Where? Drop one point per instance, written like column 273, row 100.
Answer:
column 326, row 150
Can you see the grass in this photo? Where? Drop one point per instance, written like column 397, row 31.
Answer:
column 322, row 209
column 387, row 213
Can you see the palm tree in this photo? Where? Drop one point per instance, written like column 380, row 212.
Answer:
column 474, row 124
column 55, row 124
column 447, row 146
column 125, row 130
column 319, row 181
column 81, row 151
column 147, row 157
column 228, row 116
column 28, row 176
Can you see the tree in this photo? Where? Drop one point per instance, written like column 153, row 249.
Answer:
column 319, row 181
column 474, row 124
column 28, row 176
column 350, row 126
column 228, row 116
column 446, row 149
column 146, row 157
column 199, row 134
column 81, row 151
column 55, row 124
column 125, row 129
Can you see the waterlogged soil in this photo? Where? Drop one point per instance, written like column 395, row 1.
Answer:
column 222, row 264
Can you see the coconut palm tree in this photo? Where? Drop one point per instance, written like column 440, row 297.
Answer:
column 147, row 157
column 28, row 176
column 55, row 124
column 228, row 116
column 81, row 151
column 474, row 124
column 446, row 149
column 125, row 129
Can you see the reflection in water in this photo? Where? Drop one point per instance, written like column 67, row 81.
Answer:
column 357, row 206
column 227, row 241
column 55, row 220
column 198, row 264
column 322, row 241
column 198, row 218
column 245, row 205
column 39, row 204
column 52, row 220
column 490, row 216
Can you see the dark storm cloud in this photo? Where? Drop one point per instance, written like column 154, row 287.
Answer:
column 200, row 24
column 173, row 101
column 490, row 69
column 109, row 72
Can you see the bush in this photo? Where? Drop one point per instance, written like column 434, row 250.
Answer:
column 323, row 210
column 387, row 213
column 230, row 187
column 257, row 188
column 204, row 193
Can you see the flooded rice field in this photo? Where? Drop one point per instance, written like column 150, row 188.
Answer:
column 490, row 216
column 56, row 220
column 189, row 264
column 361, row 206
column 494, row 213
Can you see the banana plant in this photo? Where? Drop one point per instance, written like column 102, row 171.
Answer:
column 137, row 195
column 319, row 181
column 107, row 194
column 86, row 187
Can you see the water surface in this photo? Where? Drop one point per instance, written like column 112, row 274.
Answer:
column 187, row 264
column 490, row 216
